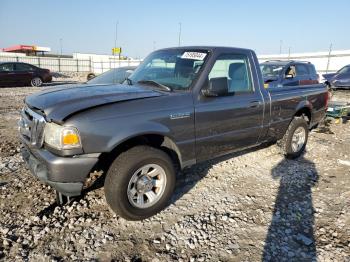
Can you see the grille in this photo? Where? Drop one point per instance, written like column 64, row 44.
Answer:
column 31, row 127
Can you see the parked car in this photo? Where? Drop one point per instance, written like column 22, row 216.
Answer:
column 288, row 73
column 340, row 79
column 19, row 74
column 180, row 107
column 113, row 76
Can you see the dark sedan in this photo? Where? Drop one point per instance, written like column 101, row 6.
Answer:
column 340, row 79
column 113, row 76
column 19, row 74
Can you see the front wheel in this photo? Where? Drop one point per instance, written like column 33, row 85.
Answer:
column 140, row 182
column 36, row 82
column 294, row 141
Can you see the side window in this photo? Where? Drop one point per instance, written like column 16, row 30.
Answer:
column 302, row 70
column 347, row 70
column 24, row 67
column 6, row 67
column 312, row 69
column 235, row 70
column 291, row 71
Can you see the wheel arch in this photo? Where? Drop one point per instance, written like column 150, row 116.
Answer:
column 304, row 109
column 152, row 139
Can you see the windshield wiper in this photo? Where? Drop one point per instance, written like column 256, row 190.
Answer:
column 154, row 83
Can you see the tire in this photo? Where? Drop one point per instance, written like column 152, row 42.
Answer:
column 36, row 82
column 120, row 185
column 290, row 148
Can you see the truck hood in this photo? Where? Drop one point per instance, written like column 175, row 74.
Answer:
column 59, row 103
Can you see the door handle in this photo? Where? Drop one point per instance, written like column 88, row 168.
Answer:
column 254, row 104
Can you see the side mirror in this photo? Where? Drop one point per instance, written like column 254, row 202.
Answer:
column 289, row 76
column 217, row 87
column 90, row 76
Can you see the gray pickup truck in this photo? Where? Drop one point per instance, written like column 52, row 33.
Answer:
column 181, row 106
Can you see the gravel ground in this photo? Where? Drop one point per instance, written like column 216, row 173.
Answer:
column 250, row 206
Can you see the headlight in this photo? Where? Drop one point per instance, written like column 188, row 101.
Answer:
column 61, row 137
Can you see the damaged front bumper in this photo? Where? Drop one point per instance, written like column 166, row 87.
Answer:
column 65, row 174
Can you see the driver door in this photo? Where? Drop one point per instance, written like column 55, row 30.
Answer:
column 233, row 119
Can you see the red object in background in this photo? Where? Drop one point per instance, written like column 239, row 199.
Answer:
column 19, row 48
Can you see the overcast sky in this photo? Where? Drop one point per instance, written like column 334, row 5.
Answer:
column 89, row 26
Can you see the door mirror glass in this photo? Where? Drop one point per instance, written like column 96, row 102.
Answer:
column 218, row 86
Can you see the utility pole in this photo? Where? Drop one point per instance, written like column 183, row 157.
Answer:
column 179, row 34
column 329, row 57
column 61, row 46
column 281, row 42
column 288, row 53
column 116, row 36
column 154, row 45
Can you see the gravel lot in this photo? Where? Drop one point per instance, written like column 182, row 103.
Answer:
column 250, row 206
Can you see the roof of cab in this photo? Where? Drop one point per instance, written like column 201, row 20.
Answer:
column 209, row 48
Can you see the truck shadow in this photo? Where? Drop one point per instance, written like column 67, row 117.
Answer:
column 290, row 235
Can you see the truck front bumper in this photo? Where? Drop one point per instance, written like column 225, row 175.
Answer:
column 65, row 174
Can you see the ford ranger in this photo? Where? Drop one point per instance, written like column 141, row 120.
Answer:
column 181, row 106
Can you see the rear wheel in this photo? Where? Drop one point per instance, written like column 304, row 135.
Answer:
column 294, row 141
column 36, row 82
column 140, row 182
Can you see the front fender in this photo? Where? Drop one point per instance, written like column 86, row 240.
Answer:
column 145, row 128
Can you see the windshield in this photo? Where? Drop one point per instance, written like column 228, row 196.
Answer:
column 270, row 70
column 175, row 68
column 113, row 76
column 344, row 70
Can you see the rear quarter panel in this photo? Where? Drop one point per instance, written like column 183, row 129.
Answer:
column 287, row 101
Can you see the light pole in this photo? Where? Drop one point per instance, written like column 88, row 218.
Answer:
column 289, row 53
column 329, row 57
column 61, row 40
column 154, row 45
column 115, row 42
column 116, row 34
column 179, row 34
column 281, row 42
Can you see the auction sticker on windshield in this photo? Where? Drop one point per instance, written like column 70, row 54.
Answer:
column 194, row 55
